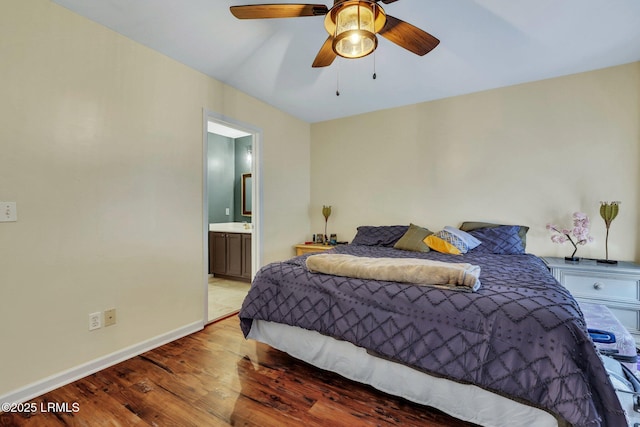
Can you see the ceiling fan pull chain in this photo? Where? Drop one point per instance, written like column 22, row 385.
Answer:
column 374, row 66
column 338, row 80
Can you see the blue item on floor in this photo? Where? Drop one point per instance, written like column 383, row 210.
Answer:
column 611, row 337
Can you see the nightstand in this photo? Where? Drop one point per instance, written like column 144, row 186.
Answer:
column 616, row 286
column 307, row 249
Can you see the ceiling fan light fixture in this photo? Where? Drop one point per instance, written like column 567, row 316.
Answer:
column 353, row 25
column 355, row 43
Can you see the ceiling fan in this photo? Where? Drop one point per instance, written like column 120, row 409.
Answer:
column 352, row 26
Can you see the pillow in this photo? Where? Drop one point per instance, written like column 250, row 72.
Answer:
column 502, row 240
column 470, row 241
column 474, row 225
column 413, row 239
column 439, row 245
column 385, row 235
column 462, row 240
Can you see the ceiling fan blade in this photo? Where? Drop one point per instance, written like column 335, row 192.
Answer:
column 388, row 1
column 325, row 57
column 408, row 36
column 263, row 11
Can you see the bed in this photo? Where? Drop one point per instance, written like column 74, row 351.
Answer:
column 513, row 352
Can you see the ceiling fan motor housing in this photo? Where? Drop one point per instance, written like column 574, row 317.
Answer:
column 353, row 25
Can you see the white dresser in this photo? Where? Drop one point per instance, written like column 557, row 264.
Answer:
column 616, row 286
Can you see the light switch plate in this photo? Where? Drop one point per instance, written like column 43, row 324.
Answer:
column 8, row 212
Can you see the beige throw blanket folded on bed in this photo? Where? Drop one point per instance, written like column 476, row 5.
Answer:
column 449, row 275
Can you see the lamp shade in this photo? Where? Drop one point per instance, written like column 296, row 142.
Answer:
column 353, row 25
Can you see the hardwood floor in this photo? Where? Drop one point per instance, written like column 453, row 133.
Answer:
column 217, row 378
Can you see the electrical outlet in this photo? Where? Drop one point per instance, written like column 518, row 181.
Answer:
column 110, row 317
column 94, row 321
column 226, row 211
column 8, row 212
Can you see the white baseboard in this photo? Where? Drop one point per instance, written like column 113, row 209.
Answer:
column 63, row 378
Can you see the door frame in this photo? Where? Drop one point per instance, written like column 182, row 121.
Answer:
column 256, row 195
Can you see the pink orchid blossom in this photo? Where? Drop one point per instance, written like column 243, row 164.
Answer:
column 580, row 232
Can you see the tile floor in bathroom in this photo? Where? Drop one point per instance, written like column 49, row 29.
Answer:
column 225, row 297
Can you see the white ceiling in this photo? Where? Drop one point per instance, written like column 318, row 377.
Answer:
column 484, row 44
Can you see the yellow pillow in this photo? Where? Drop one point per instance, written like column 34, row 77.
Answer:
column 437, row 244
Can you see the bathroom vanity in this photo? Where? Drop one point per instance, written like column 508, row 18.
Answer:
column 230, row 250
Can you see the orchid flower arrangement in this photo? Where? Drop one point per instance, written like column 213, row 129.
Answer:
column 580, row 232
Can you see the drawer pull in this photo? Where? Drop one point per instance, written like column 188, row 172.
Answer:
column 598, row 286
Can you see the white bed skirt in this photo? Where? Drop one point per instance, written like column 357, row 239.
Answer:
column 465, row 402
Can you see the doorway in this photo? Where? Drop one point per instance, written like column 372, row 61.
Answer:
column 236, row 217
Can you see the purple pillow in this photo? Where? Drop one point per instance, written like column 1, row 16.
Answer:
column 501, row 240
column 384, row 235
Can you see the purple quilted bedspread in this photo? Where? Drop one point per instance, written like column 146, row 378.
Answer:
column 522, row 335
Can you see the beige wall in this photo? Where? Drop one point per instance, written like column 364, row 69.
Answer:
column 101, row 148
column 527, row 154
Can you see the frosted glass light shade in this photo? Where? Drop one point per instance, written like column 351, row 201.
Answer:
column 353, row 25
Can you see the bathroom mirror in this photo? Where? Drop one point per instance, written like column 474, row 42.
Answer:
column 246, row 194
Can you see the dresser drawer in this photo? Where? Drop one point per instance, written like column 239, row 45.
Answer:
column 617, row 286
column 601, row 287
column 308, row 249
